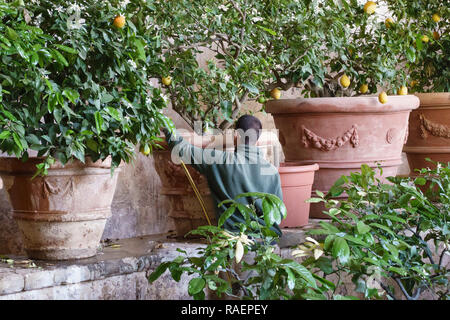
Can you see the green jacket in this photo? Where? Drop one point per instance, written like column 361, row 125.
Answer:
column 230, row 174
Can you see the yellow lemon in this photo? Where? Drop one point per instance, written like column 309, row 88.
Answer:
column 166, row 80
column 382, row 97
column 370, row 7
column 413, row 83
column 145, row 149
column 119, row 21
column 363, row 88
column 389, row 22
column 403, row 91
column 436, row 35
column 425, row 38
column 275, row 93
column 345, row 81
column 436, row 18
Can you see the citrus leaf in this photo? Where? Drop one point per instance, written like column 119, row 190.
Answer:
column 225, row 215
column 362, row 228
column 341, row 250
column 196, row 285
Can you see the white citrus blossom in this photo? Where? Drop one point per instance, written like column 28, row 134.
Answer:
column 124, row 3
column 309, row 248
column 132, row 63
column 242, row 240
column 242, row 237
column 223, row 7
column 239, row 253
column 165, row 98
column 74, row 7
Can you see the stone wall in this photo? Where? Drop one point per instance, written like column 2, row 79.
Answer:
column 114, row 274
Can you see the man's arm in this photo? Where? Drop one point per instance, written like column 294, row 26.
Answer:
column 189, row 153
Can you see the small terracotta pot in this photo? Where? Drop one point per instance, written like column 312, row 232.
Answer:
column 429, row 131
column 342, row 133
column 296, row 184
column 62, row 215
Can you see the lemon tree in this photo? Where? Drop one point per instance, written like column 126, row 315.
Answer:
column 426, row 31
column 74, row 80
column 220, row 266
column 262, row 45
column 386, row 233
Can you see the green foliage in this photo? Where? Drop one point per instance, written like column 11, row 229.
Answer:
column 73, row 85
column 219, row 266
column 428, row 63
column 387, row 231
column 261, row 45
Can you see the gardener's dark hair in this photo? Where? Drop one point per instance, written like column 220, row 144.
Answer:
column 251, row 128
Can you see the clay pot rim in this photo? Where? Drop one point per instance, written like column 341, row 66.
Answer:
column 425, row 150
column 209, row 141
column 349, row 164
column 71, row 164
column 343, row 105
column 433, row 99
column 293, row 167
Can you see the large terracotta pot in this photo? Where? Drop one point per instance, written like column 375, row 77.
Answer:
column 62, row 215
column 296, row 184
column 341, row 134
column 185, row 209
column 429, row 131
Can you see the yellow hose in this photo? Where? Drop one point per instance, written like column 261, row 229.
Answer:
column 202, row 204
column 197, row 193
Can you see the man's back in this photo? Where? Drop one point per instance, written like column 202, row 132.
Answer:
column 231, row 173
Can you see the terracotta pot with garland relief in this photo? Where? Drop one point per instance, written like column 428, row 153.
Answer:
column 61, row 215
column 342, row 133
column 429, row 131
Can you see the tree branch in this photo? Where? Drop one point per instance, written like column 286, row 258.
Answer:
column 239, row 281
column 242, row 33
column 238, row 102
column 442, row 257
column 279, row 83
column 314, row 88
column 173, row 99
column 423, row 242
column 400, row 284
column 388, row 291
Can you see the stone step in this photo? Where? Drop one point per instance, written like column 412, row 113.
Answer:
column 119, row 271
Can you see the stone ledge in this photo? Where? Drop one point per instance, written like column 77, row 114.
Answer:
column 127, row 256
column 99, row 276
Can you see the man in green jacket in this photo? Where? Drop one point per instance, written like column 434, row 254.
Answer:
column 232, row 173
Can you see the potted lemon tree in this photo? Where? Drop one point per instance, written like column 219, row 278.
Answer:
column 346, row 73
column 210, row 95
column 425, row 26
column 75, row 99
column 328, row 51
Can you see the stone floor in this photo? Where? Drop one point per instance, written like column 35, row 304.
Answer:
column 119, row 271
